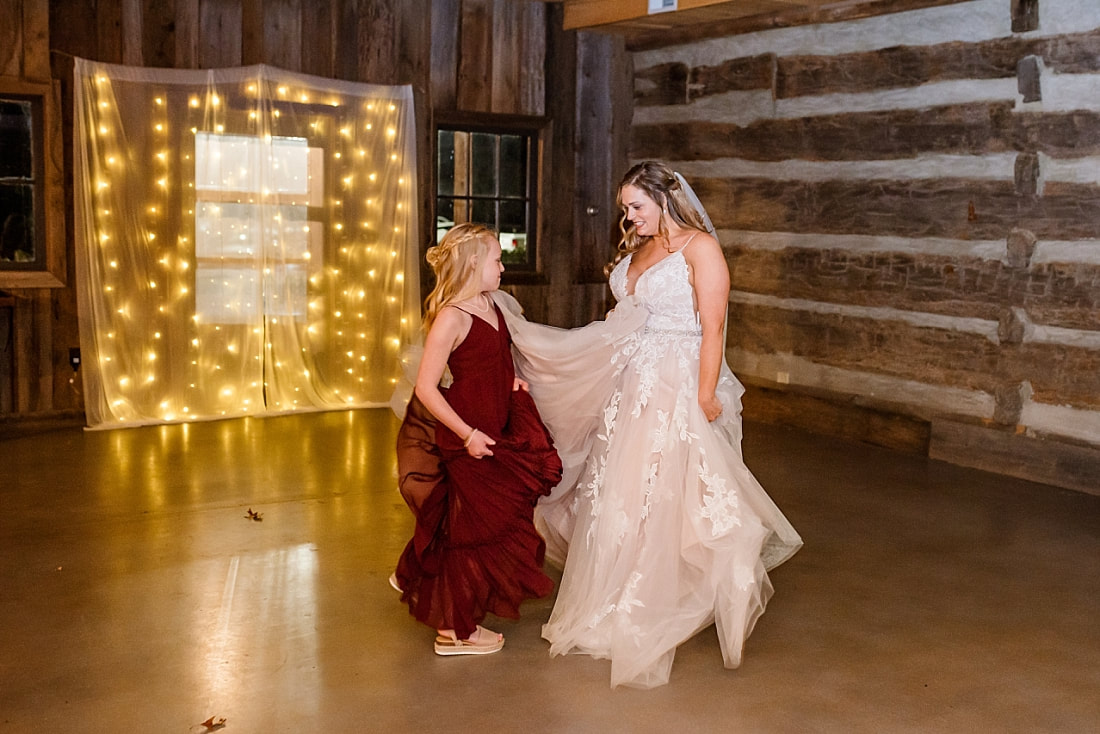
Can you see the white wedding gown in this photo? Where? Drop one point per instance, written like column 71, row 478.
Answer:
column 661, row 526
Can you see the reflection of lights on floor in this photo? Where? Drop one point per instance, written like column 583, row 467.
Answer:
column 266, row 616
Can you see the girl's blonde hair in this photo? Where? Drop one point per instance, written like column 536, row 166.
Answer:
column 659, row 183
column 455, row 261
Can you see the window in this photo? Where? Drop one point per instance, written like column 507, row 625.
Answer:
column 32, row 249
column 487, row 171
column 254, row 238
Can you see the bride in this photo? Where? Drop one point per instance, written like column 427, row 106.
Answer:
column 660, row 526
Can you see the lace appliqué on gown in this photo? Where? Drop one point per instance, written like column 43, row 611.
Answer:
column 666, row 529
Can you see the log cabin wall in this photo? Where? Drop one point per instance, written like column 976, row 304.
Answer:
column 910, row 207
column 474, row 56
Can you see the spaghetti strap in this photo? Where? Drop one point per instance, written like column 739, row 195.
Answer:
column 683, row 247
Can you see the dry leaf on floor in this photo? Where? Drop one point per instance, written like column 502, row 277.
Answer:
column 213, row 724
column 254, row 515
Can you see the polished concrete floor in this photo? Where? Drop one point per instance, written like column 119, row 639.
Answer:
column 138, row 597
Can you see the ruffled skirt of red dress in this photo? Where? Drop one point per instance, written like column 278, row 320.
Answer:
column 475, row 550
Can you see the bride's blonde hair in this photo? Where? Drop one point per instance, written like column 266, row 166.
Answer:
column 455, row 261
column 658, row 182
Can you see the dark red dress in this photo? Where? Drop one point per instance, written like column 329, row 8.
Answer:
column 475, row 550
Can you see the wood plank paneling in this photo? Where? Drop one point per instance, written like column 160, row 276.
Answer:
column 11, row 39
column 158, row 24
column 531, row 59
column 220, row 34
column 475, row 90
column 108, row 15
column 347, row 39
column 596, row 218
column 446, row 19
column 132, row 36
column 253, row 31
column 505, row 54
column 558, row 209
column 318, row 40
column 70, row 30
column 36, row 41
column 377, row 41
column 187, row 34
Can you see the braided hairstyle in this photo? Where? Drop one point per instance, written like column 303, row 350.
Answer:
column 455, row 261
column 659, row 183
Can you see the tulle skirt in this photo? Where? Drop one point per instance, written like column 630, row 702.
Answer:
column 662, row 528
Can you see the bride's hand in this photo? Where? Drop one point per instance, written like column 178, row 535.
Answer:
column 521, row 384
column 712, row 407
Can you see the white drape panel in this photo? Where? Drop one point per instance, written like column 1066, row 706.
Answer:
column 246, row 241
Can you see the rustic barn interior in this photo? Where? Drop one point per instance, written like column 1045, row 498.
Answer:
column 906, row 192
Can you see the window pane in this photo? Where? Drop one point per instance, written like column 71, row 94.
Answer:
column 248, row 163
column 227, row 295
column 227, row 230
column 484, row 212
column 17, row 220
column 446, row 162
column 444, row 217
column 15, row 139
column 484, row 160
column 513, row 216
column 492, row 185
column 285, row 290
column 513, row 165
column 513, row 231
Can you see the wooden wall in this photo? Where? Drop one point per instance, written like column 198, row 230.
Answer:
column 37, row 325
column 910, row 207
column 497, row 56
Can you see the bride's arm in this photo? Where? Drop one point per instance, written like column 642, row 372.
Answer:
column 711, row 281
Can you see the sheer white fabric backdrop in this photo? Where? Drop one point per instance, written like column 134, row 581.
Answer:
column 246, row 241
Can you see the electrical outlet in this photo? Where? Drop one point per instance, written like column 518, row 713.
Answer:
column 74, row 358
column 783, row 378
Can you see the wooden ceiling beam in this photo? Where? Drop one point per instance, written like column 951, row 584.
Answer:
column 591, row 13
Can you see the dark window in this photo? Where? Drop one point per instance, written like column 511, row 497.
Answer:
column 20, row 181
column 487, row 172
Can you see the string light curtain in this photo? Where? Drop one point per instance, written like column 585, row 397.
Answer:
column 246, row 242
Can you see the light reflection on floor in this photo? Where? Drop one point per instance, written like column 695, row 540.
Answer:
column 138, row 597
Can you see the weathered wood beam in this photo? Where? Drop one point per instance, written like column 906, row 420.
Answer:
column 889, row 68
column 1058, row 373
column 1053, row 294
column 909, row 66
column 1006, row 451
column 951, row 208
column 979, row 127
column 765, row 18
column 581, row 14
column 835, row 417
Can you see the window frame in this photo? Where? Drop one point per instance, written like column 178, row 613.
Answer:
column 48, row 269
column 539, row 129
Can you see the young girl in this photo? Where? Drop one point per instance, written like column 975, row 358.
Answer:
column 473, row 458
